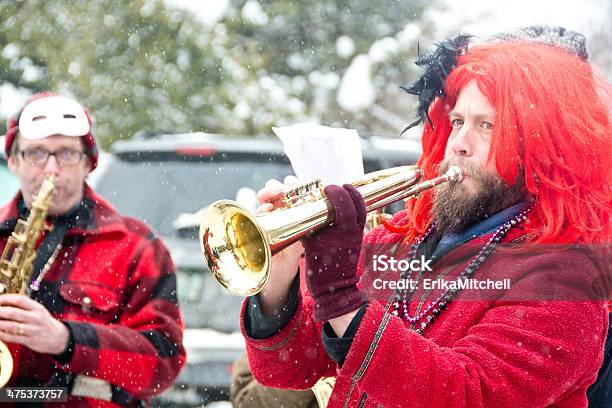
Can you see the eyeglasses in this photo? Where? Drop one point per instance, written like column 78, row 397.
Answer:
column 39, row 157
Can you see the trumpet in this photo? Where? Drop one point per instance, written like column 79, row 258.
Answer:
column 238, row 246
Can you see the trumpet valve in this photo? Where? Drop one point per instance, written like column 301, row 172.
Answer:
column 304, row 192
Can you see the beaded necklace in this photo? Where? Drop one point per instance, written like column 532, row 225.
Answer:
column 434, row 308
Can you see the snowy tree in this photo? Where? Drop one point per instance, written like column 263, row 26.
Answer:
column 304, row 51
column 136, row 65
column 145, row 66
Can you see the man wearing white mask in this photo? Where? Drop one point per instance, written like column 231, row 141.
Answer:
column 102, row 318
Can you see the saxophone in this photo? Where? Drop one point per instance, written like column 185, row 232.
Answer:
column 17, row 259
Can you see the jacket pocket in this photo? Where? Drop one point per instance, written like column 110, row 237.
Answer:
column 90, row 301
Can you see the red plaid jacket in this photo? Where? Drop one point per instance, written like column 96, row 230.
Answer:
column 113, row 284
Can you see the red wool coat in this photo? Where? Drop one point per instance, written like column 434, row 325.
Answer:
column 510, row 349
column 119, row 298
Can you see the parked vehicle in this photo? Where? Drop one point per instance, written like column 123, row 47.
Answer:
column 165, row 180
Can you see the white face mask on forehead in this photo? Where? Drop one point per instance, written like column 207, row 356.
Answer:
column 53, row 115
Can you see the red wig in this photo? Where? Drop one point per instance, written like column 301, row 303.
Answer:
column 552, row 128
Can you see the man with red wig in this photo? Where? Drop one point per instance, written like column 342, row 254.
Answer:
column 528, row 123
column 100, row 318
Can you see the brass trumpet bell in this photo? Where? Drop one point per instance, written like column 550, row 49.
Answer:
column 236, row 248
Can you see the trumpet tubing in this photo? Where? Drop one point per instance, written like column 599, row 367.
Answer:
column 238, row 246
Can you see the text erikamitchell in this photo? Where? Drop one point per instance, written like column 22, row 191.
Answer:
column 443, row 284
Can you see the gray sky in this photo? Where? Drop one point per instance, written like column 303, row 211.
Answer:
column 493, row 16
column 489, row 16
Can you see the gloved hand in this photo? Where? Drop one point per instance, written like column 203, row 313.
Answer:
column 332, row 255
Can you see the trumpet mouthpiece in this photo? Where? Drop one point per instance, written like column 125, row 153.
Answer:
column 454, row 174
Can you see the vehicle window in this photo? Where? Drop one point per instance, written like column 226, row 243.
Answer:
column 159, row 191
